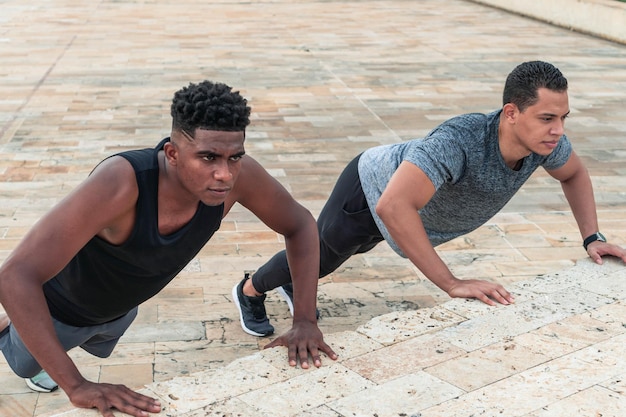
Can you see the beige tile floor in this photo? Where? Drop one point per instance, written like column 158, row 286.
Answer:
column 327, row 79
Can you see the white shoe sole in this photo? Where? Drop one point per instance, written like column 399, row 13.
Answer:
column 38, row 388
column 282, row 292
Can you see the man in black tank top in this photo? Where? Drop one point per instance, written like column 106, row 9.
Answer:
column 127, row 231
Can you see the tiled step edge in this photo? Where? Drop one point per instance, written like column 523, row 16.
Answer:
column 602, row 18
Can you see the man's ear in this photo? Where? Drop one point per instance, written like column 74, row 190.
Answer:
column 510, row 112
column 171, row 153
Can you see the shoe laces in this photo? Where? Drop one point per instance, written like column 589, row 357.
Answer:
column 257, row 306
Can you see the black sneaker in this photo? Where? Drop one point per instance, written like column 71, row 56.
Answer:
column 286, row 291
column 252, row 313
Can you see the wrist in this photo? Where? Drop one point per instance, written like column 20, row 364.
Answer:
column 448, row 283
column 595, row 237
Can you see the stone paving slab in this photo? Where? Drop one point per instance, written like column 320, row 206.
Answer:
column 325, row 79
column 543, row 370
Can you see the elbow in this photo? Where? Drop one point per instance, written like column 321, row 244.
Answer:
column 384, row 209
column 15, row 277
column 306, row 217
column 303, row 223
column 380, row 210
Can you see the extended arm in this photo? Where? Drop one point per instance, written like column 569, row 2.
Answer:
column 269, row 201
column 96, row 205
column 578, row 190
column 409, row 190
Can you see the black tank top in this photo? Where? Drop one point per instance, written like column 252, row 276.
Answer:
column 104, row 281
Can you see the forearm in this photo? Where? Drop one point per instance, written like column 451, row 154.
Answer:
column 578, row 191
column 399, row 210
column 410, row 235
column 419, row 250
column 28, row 311
column 303, row 255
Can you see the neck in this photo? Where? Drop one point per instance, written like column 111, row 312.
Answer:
column 510, row 149
column 171, row 193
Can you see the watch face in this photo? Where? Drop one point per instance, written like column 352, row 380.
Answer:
column 601, row 237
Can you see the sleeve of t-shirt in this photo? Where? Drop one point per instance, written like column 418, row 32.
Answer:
column 440, row 156
column 559, row 156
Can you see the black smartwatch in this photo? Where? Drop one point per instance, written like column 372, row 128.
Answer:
column 594, row 237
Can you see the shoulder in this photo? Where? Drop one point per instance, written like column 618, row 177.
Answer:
column 115, row 167
column 251, row 171
column 115, row 178
column 253, row 182
column 466, row 133
column 466, row 125
column 103, row 204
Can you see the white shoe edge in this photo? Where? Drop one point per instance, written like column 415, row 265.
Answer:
column 30, row 384
column 283, row 294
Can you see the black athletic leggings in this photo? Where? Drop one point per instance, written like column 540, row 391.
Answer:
column 346, row 227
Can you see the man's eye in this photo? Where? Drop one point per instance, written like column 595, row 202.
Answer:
column 209, row 158
column 235, row 158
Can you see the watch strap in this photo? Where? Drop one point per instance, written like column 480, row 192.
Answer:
column 593, row 238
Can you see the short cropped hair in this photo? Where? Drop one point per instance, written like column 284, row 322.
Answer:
column 523, row 82
column 210, row 106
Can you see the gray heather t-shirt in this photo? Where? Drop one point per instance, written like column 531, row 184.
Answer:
column 462, row 159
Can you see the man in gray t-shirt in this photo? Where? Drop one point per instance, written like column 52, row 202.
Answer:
column 418, row 194
column 462, row 160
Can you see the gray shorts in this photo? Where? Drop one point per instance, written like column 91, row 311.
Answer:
column 98, row 340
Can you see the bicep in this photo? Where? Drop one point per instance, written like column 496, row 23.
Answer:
column 408, row 185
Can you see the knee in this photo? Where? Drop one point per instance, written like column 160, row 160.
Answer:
column 24, row 369
column 17, row 357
